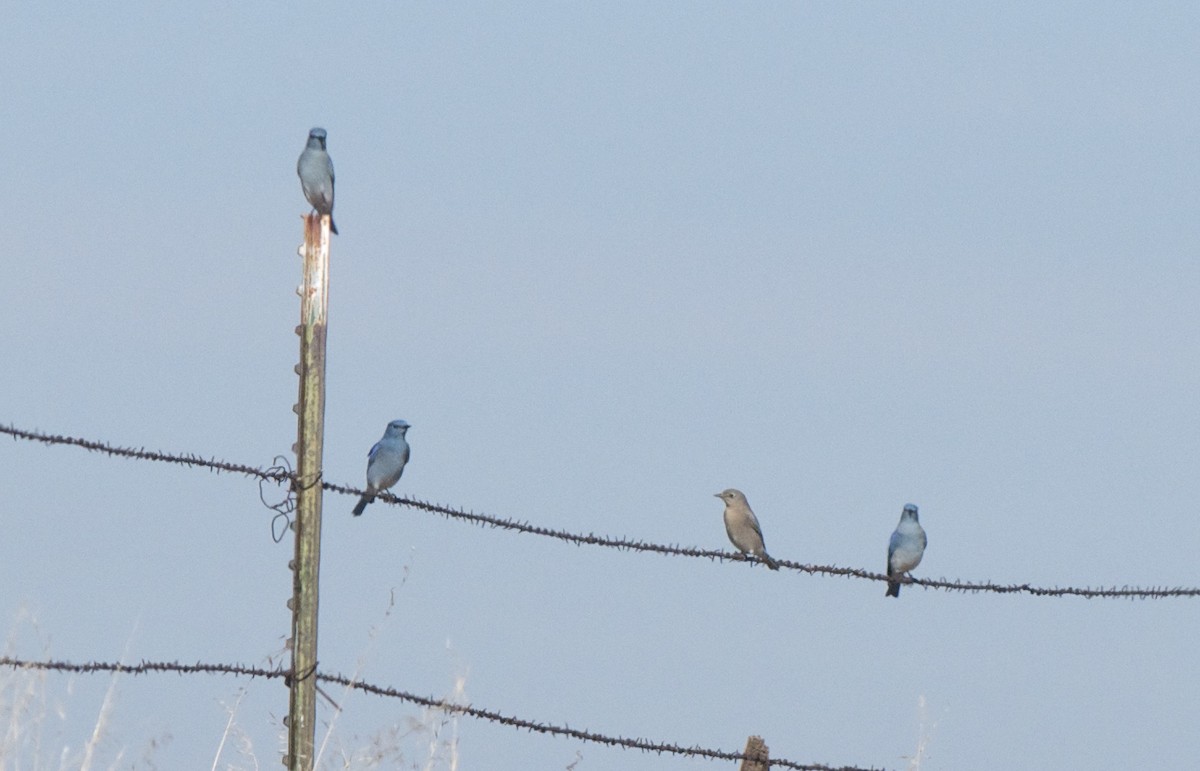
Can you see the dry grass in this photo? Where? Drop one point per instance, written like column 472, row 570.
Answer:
column 33, row 723
column 425, row 742
column 35, row 734
column 925, row 736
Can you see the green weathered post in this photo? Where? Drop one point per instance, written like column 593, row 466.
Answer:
column 310, row 411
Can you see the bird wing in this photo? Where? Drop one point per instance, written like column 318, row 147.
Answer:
column 893, row 544
column 754, row 524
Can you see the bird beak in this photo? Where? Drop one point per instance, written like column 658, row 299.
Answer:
column 716, row 495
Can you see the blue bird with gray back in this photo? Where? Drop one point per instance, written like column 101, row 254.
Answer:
column 385, row 462
column 316, row 175
column 905, row 549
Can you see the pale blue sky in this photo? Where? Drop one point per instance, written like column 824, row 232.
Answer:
column 608, row 260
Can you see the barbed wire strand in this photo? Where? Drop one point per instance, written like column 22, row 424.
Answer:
column 238, row 670
column 278, row 475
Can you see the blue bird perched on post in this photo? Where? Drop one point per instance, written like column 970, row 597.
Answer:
column 385, row 462
column 905, row 549
column 316, row 175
